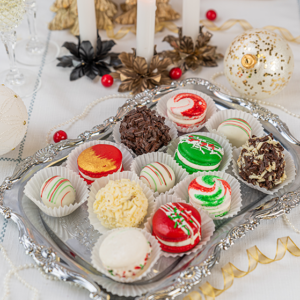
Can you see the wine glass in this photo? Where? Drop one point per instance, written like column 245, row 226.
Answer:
column 21, row 81
column 30, row 51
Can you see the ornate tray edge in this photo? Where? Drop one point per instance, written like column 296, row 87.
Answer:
column 50, row 262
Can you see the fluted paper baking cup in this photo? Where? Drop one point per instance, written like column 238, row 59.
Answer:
column 33, row 187
column 181, row 191
column 102, row 182
column 73, row 156
column 289, row 169
column 154, row 256
column 222, row 141
column 117, row 136
column 207, row 225
column 143, row 160
column 210, row 111
column 213, row 123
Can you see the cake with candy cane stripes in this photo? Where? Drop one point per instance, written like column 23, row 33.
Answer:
column 187, row 109
column 177, row 227
column 237, row 131
column 57, row 192
column 158, row 176
column 212, row 193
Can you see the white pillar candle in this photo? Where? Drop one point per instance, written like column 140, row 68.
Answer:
column 190, row 18
column 87, row 21
column 145, row 28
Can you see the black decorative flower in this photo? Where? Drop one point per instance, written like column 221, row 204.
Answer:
column 85, row 62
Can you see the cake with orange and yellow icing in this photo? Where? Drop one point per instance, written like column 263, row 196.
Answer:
column 99, row 161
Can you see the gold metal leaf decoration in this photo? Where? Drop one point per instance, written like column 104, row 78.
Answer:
column 164, row 12
column 67, row 16
column 137, row 76
column 189, row 55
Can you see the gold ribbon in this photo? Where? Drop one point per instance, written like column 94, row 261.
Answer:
column 124, row 30
column 246, row 26
column 208, row 24
column 255, row 256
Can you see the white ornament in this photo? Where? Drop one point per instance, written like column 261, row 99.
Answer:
column 258, row 64
column 13, row 119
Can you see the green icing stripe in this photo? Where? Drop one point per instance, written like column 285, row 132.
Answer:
column 53, row 187
column 239, row 120
column 159, row 174
column 189, row 169
column 62, row 190
column 152, row 179
column 221, row 215
column 211, row 200
column 225, row 125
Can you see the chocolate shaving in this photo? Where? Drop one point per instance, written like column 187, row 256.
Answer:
column 143, row 132
column 261, row 162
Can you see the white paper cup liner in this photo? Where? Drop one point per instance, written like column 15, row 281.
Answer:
column 102, row 182
column 222, row 141
column 143, row 160
column 33, row 187
column 162, row 109
column 73, row 156
column 154, row 256
column 207, row 225
column 213, row 123
column 181, row 191
column 117, row 136
column 289, row 169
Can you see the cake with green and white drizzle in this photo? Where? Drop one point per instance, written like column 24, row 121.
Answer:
column 212, row 193
column 199, row 153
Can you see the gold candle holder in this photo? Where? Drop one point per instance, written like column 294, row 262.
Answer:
column 189, row 54
column 135, row 74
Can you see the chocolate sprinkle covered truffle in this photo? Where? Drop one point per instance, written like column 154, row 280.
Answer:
column 261, row 162
column 143, row 131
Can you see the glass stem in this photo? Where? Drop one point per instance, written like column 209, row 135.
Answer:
column 13, row 77
column 34, row 45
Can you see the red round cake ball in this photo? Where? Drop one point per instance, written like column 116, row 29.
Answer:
column 211, row 15
column 175, row 73
column 107, row 80
column 59, row 136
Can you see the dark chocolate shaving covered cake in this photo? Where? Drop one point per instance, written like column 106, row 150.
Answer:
column 143, row 131
column 261, row 162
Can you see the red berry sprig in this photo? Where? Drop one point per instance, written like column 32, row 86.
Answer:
column 59, row 136
column 107, row 80
column 211, row 15
column 175, row 73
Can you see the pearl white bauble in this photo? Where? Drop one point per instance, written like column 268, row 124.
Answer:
column 13, row 119
column 258, row 64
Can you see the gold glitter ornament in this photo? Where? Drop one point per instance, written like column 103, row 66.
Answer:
column 258, row 64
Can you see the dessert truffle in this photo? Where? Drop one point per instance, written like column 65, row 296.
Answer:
column 143, row 131
column 158, row 176
column 121, row 203
column 261, row 162
column 199, row 153
column 212, row 193
column 57, row 192
column 99, row 161
column 237, row 131
column 125, row 252
column 177, row 227
column 187, row 109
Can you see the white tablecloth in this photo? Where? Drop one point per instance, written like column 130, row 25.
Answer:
column 59, row 99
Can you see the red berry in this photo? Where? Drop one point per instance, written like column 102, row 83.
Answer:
column 211, row 15
column 107, row 80
column 59, row 136
column 175, row 73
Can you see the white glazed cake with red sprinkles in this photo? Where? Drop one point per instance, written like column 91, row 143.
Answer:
column 125, row 252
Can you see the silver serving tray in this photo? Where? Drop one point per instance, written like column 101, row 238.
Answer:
column 62, row 246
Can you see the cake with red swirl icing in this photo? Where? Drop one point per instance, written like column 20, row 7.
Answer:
column 177, row 227
column 187, row 109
